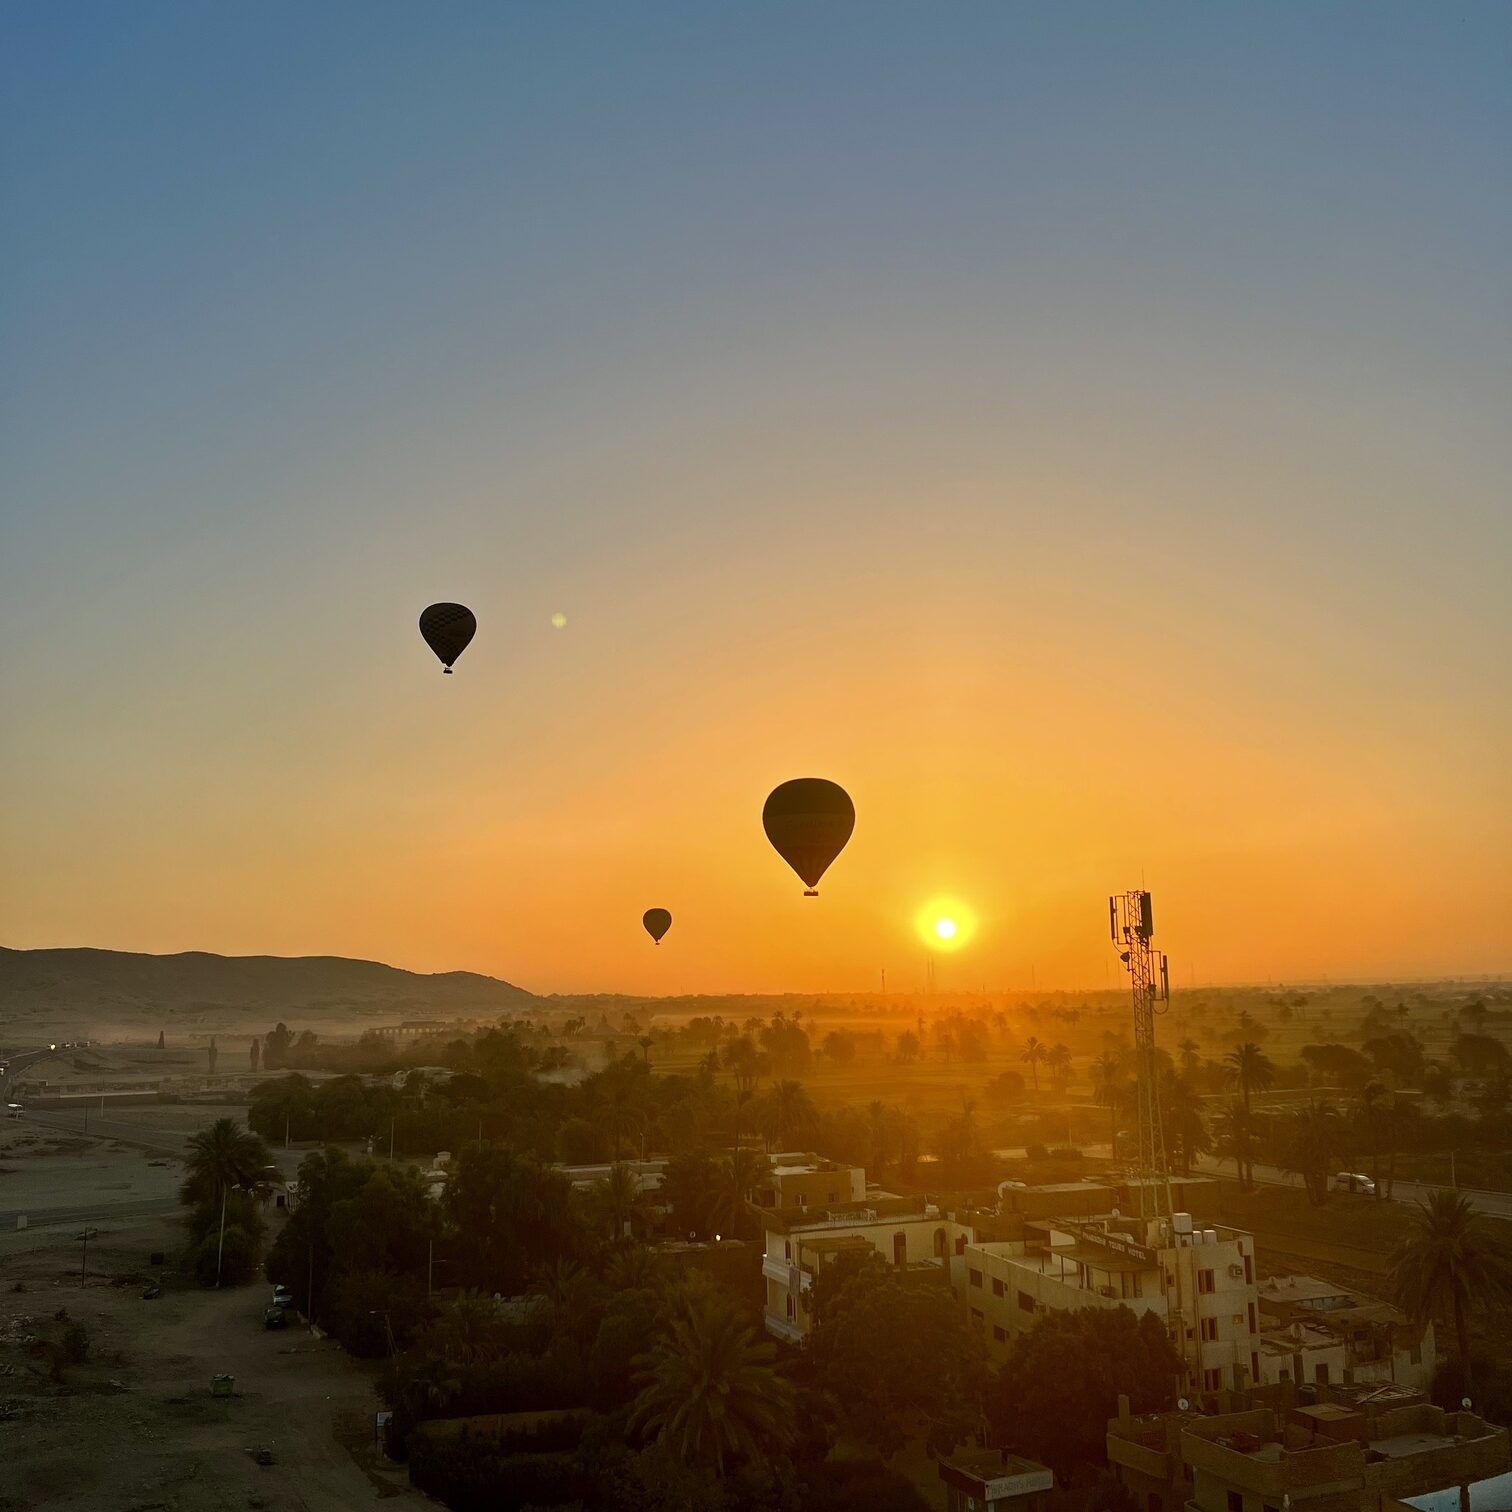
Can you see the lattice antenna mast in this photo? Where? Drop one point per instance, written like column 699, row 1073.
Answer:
column 1131, row 921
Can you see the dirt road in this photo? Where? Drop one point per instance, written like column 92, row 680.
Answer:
column 135, row 1428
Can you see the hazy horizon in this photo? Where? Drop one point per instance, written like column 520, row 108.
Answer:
column 1080, row 432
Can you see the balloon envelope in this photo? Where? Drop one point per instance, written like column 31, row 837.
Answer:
column 657, row 921
column 447, row 629
column 808, row 821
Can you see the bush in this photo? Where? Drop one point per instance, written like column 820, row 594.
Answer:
column 73, row 1349
column 238, row 1257
column 471, row 1473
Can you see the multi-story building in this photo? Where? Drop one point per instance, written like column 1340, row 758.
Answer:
column 1199, row 1281
column 1356, row 1453
column 1315, row 1331
column 993, row 1480
column 910, row 1233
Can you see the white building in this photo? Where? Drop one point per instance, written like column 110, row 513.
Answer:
column 1199, row 1281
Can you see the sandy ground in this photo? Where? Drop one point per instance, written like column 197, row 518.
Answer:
column 135, row 1427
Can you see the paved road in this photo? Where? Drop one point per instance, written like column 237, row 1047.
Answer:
column 1492, row 1204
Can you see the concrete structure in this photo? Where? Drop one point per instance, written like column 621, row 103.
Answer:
column 1493, row 1495
column 993, row 1480
column 908, row 1232
column 804, row 1180
column 1356, row 1453
column 1199, row 1282
column 1316, row 1332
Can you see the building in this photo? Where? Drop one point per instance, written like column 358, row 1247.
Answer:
column 1199, row 1281
column 1358, row 1451
column 1315, row 1331
column 993, row 1480
column 805, row 1180
column 910, row 1233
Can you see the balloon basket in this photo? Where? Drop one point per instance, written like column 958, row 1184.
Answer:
column 810, row 892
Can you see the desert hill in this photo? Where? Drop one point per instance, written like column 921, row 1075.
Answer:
column 97, row 991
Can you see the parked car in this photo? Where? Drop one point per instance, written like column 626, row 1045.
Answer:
column 282, row 1296
column 273, row 1317
column 1352, row 1181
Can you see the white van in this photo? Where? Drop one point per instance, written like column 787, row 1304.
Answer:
column 1352, row 1181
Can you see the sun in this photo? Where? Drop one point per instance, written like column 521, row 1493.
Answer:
column 945, row 924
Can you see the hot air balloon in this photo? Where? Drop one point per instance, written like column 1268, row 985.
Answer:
column 447, row 629
column 657, row 921
column 808, row 821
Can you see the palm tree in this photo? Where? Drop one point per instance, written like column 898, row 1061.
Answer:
column 225, row 1157
column 618, row 1200
column 1250, row 1070
column 793, row 1112
column 1189, row 1048
column 1108, row 1087
column 877, row 1131
column 1034, row 1053
column 708, row 1389
column 1449, row 1263
column 737, row 1176
column 1181, row 1115
column 1058, row 1060
column 1310, row 1140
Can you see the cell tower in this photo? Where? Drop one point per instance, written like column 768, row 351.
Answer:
column 1131, row 921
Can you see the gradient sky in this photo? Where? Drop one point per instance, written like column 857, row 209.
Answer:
column 1084, row 431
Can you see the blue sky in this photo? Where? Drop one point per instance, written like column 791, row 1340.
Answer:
column 951, row 355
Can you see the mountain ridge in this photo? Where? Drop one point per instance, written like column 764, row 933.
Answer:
column 119, row 987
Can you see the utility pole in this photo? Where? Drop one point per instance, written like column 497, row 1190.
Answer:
column 221, row 1242
column 391, row 1138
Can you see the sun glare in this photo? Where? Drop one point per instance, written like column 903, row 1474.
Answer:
column 945, row 924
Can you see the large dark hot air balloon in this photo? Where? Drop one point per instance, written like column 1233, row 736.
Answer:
column 447, row 629
column 657, row 921
column 808, row 821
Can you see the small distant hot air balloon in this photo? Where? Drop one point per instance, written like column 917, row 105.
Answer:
column 808, row 821
column 657, row 921
column 447, row 629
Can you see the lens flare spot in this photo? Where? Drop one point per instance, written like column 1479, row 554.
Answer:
column 559, row 621
column 945, row 928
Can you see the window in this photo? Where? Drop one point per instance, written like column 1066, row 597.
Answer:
column 1204, row 1281
column 1235, row 1502
column 999, row 1333
column 790, row 1304
column 1025, row 1302
column 1212, row 1380
column 975, row 1277
column 1209, row 1330
column 1320, row 1374
column 787, row 1249
column 829, row 1197
column 1249, row 1270
column 998, row 1289
column 1255, row 1368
